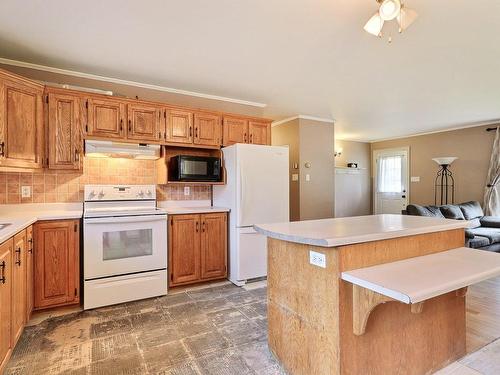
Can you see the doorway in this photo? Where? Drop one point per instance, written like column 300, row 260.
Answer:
column 391, row 181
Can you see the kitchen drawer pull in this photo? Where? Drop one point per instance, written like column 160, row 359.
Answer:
column 121, row 125
column 245, row 137
column 190, row 131
column 203, row 227
column 2, row 267
column 2, row 148
column 18, row 251
column 129, row 125
column 77, row 155
column 197, row 227
column 196, row 132
column 251, row 138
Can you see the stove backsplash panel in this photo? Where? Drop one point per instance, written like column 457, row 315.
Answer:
column 49, row 186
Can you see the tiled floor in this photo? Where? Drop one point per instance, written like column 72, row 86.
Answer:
column 218, row 330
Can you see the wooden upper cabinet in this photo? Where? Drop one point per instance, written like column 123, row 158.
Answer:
column 57, row 265
column 21, row 123
column 213, row 245
column 145, row 123
column 65, row 146
column 207, row 129
column 5, row 301
column 179, row 126
column 235, row 130
column 30, row 267
column 19, row 286
column 259, row 132
column 105, row 118
column 184, row 254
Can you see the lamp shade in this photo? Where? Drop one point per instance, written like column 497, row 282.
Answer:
column 405, row 18
column 374, row 25
column 445, row 160
column 389, row 9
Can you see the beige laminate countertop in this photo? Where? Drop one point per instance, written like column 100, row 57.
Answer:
column 23, row 215
column 351, row 230
column 194, row 210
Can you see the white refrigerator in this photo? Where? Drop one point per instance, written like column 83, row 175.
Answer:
column 257, row 192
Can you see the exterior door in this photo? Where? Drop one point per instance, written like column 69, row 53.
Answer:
column 207, row 129
column 213, row 245
column 391, row 192
column 259, row 133
column 57, row 265
column 21, row 127
column 179, row 126
column 30, row 270
column 235, row 131
column 184, row 238
column 65, row 143
column 105, row 118
column 19, row 286
column 144, row 123
column 5, row 300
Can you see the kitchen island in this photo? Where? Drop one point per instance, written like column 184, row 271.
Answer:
column 334, row 309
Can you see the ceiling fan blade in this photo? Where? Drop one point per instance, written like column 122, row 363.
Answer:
column 405, row 18
column 374, row 25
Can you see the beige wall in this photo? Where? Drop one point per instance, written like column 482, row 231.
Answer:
column 473, row 148
column 288, row 135
column 353, row 187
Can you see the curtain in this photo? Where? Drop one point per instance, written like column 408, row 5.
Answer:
column 492, row 193
column 390, row 173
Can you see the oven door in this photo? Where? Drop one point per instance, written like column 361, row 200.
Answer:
column 123, row 245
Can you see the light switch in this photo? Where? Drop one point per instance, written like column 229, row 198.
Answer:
column 308, row 177
column 295, row 176
column 187, row 190
column 25, row 191
column 415, row 179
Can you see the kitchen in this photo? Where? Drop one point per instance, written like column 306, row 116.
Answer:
column 107, row 200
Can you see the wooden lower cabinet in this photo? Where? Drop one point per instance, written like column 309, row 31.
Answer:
column 19, row 286
column 30, row 273
column 5, row 302
column 197, row 248
column 57, row 263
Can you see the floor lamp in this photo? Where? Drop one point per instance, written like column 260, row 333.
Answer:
column 444, row 185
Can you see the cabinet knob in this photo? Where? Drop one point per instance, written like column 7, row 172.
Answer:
column 2, row 148
column 2, row 267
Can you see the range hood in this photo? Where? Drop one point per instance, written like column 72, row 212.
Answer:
column 110, row 149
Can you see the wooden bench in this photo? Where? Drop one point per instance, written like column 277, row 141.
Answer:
column 415, row 280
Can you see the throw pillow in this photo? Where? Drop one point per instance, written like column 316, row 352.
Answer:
column 471, row 210
column 451, row 211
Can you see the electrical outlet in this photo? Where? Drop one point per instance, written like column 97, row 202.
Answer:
column 295, row 176
column 25, row 191
column 187, row 190
column 317, row 259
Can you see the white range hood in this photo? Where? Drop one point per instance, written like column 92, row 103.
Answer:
column 121, row 150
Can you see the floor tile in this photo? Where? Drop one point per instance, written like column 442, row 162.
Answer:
column 164, row 357
column 486, row 360
column 205, row 343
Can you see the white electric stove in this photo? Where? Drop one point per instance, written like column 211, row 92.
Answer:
column 125, row 245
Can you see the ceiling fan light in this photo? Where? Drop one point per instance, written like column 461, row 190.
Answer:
column 406, row 17
column 389, row 9
column 374, row 25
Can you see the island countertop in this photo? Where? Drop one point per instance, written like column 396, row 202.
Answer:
column 351, row 230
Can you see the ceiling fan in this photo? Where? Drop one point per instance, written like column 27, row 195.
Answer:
column 388, row 11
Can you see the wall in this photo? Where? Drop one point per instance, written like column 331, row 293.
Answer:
column 50, row 186
column 473, row 148
column 353, row 187
column 288, row 135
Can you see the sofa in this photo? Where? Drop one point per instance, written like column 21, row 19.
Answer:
column 483, row 232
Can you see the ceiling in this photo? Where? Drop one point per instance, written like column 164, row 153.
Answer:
column 299, row 57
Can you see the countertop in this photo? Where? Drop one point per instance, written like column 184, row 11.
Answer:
column 351, row 230
column 21, row 216
column 190, row 207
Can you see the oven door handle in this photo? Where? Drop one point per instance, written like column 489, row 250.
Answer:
column 125, row 219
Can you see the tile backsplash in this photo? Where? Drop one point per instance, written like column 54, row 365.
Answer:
column 49, row 186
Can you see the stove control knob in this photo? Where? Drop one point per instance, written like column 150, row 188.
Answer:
column 141, row 194
column 92, row 194
column 149, row 193
column 101, row 194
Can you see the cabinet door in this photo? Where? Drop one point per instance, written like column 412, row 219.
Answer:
column 144, row 123
column 105, row 118
column 207, row 129
column 19, row 286
column 235, row 131
column 184, row 256
column 57, row 270
column 65, row 143
column 259, row 133
column 5, row 301
column 179, row 126
column 21, row 127
column 30, row 269
column 213, row 245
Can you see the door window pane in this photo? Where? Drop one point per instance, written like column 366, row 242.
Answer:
column 390, row 174
column 127, row 244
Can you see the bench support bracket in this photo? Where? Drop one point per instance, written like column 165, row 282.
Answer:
column 363, row 303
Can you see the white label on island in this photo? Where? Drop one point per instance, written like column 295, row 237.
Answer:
column 317, row 259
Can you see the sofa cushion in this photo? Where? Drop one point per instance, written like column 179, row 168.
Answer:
column 493, row 234
column 469, row 234
column 431, row 211
column 474, row 223
column 478, row 242
column 471, row 210
column 451, row 211
column 490, row 221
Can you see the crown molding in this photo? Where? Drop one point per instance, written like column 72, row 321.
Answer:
column 303, row 117
column 95, row 77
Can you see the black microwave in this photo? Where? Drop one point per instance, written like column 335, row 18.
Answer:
column 194, row 168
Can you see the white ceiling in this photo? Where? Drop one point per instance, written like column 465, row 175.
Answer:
column 308, row 57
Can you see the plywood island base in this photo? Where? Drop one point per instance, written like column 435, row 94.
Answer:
column 314, row 327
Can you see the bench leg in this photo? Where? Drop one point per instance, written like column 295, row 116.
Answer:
column 416, row 308
column 462, row 292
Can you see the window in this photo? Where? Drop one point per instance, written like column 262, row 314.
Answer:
column 390, row 174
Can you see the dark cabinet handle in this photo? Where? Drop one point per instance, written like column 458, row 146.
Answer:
column 190, row 131
column 77, row 155
column 203, row 228
column 129, row 125
column 159, row 135
column 245, row 137
column 197, row 227
column 196, row 132
column 2, row 267
column 18, row 251
column 251, row 138
column 2, row 148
